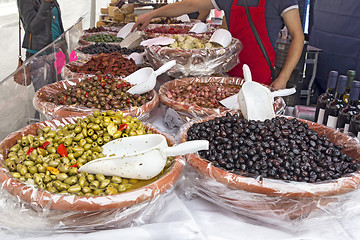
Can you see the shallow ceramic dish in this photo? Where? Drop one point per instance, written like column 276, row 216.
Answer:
column 67, row 202
column 276, row 198
column 193, row 109
column 51, row 110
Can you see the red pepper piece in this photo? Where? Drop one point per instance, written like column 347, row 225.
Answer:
column 75, row 165
column 45, row 144
column 102, row 83
column 30, row 151
column 86, row 95
column 127, row 100
column 122, row 127
column 61, row 149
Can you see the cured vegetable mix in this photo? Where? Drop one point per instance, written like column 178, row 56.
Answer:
column 54, row 168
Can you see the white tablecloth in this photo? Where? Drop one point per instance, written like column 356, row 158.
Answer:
column 185, row 217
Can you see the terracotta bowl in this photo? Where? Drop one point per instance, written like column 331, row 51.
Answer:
column 193, row 109
column 62, row 202
column 270, row 197
column 51, row 110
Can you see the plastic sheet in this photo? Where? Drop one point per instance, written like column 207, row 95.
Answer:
column 51, row 212
column 169, row 29
column 192, row 110
column 269, row 200
column 195, row 62
column 50, row 110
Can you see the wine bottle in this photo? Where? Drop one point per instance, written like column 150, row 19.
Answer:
column 332, row 108
column 350, row 78
column 326, row 97
column 354, row 126
column 350, row 109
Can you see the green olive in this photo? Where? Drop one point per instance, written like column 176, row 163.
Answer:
column 100, row 177
column 33, row 169
column 94, row 185
column 104, row 183
column 82, row 181
column 111, row 191
column 63, row 186
column 64, row 168
column 90, row 178
column 61, row 176
column 15, row 148
column 73, row 171
column 86, row 190
column 116, row 179
column 71, row 180
column 98, row 192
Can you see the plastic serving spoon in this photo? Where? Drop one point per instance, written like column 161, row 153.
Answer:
column 139, row 157
column 199, row 27
column 144, row 79
column 255, row 100
column 125, row 30
column 137, row 57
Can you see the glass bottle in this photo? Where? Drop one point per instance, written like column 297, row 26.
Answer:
column 351, row 76
column 350, row 109
column 326, row 97
column 333, row 107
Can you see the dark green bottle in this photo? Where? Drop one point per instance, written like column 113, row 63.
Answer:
column 350, row 78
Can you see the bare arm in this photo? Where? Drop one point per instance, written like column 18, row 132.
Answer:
column 293, row 24
column 173, row 10
column 203, row 14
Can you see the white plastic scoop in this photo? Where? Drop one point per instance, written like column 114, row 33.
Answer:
column 139, row 157
column 255, row 100
column 144, row 79
column 137, row 57
column 199, row 27
column 222, row 37
column 125, row 30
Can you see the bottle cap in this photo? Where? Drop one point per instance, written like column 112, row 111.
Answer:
column 333, row 76
column 355, row 90
column 341, row 84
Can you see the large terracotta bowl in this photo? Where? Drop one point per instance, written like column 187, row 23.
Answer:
column 269, row 197
column 74, row 203
column 50, row 110
column 191, row 109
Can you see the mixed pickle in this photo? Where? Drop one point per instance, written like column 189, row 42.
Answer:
column 51, row 159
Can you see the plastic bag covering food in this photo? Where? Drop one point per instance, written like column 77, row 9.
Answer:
column 50, row 110
column 114, row 64
column 193, row 110
column 195, row 62
column 75, row 213
column 269, row 200
column 156, row 30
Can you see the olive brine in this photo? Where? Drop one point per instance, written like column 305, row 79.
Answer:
column 280, row 148
column 50, row 160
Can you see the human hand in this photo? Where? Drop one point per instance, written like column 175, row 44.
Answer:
column 279, row 83
column 142, row 21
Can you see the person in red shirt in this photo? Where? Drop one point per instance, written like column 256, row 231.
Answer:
column 267, row 17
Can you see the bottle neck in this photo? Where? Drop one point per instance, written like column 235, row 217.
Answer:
column 339, row 95
column 330, row 90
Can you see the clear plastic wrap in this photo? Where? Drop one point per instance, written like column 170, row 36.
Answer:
column 169, row 29
column 51, row 110
column 195, row 62
column 269, row 200
column 51, row 212
column 193, row 110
